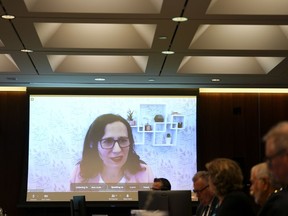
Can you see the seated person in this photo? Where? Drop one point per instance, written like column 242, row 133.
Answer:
column 208, row 202
column 262, row 186
column 264, row 189
column 226, row 181
column 161, row 184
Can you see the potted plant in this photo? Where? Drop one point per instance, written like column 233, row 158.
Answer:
column 168, row 138
column 130, row 117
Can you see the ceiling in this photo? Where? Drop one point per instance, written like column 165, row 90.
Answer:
column 227, row 43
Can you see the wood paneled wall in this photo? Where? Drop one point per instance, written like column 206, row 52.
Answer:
column 229, row 125
column 13, row 140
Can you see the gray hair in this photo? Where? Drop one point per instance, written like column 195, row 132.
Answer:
column 278, row 135
column 261, row 170
column 201, row 175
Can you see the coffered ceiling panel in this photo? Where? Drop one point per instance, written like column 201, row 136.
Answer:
column 98, row 64
column 7, row 64
column 228, row 65
column 135, row 43
column 245, row 7
column 92, row 6
column 241, row 37
column 91, row 35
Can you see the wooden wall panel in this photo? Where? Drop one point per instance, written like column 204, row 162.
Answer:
column 13, row 135
column 229, row 125
column 273, row 109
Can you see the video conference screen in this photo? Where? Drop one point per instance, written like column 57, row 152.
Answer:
column 108, row 147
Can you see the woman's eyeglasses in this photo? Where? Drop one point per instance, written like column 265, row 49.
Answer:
column 109, row 143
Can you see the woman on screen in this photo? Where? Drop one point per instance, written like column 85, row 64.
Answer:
column 108, row 154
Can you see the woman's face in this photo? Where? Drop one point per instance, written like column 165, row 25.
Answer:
column 116, row 156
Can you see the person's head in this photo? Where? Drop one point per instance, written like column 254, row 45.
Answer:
column 161, row 184
column 201, row 187
column 276, row 151
column 108, row 143
column 261, row 183
column 225, row 176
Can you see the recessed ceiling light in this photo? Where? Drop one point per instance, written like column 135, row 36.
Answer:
column 11, row 78
column 168, row 52
column 26, row 50
column 162, row 38
column 100, row 79
column 180, row 19
column 215, row 80
column 7, row 16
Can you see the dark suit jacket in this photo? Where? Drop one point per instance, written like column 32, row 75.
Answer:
column 277, row 204
column 236, row 203
column 201, row 208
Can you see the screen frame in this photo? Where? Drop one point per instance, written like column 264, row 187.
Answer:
column 95, row 91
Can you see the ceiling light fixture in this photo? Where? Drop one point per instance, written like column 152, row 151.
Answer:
column 11, row 78
column 168, row 52
column 8, row 17
column 100, row 79
column 179, row 19
column 26, row 50
column 162, row 37
column 215, row 80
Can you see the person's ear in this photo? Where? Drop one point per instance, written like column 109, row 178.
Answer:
column 265, row 182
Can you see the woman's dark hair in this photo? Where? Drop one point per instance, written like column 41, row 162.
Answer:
column 91, row 164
